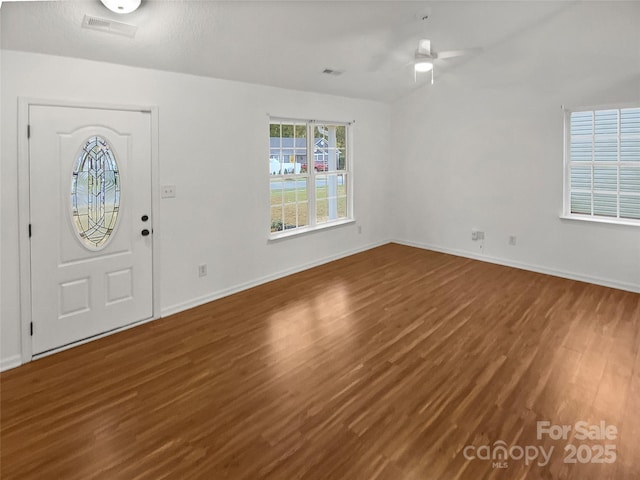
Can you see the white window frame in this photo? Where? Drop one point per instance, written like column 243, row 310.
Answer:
column 311, row 178
column 566, row 212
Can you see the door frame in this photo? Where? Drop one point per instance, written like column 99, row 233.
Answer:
column 24, row 208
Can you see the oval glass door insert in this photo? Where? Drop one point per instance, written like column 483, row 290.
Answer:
column 95, row 193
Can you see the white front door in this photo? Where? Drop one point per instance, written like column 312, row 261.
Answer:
column 91, row 241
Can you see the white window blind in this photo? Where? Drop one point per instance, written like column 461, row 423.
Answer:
column 603, row 164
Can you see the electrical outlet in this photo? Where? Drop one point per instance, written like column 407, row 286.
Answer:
column 474, row 235
column 512, row 240
column 168, row 191
column 202, row 270
column 480, row 235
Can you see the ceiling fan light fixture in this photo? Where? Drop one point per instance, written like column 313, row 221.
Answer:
column 121, row 6
column 422, row 66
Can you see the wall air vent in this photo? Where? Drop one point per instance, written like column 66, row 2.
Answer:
column 109, row 26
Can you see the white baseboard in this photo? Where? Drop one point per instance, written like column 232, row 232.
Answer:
column 180, row 307
column 10, row 362
column 605, row 282
column 15, row 361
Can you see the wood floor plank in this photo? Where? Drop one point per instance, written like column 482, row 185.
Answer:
column 384, row 365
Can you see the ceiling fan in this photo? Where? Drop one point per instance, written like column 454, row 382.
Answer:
column 424, row 57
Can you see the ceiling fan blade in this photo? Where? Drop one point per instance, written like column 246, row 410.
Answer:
column 458, row 53
column 424, row 47
column 389, row 62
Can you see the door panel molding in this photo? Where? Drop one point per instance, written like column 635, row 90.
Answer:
column 24, row 103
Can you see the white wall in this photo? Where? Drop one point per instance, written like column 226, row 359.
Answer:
column 3, row 206
column 213, row 147
column 483, row 147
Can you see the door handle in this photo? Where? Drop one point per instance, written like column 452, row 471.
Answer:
column 145, row 232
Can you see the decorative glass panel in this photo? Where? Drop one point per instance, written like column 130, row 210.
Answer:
column 95, row 193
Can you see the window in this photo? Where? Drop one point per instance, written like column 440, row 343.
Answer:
column 95, row 193
column 602, row 165
column 310, row 178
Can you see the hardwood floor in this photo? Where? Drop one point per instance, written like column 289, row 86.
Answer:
column 383, row 365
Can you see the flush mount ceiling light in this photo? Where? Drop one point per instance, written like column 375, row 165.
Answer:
column 423, row 62
column 422, row 66
column 121, row 6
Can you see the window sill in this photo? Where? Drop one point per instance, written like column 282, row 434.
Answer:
column 301, row 231
column 610, row 221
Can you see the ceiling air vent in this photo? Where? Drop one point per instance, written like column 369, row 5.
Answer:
column 330, row 71
column 109, row 26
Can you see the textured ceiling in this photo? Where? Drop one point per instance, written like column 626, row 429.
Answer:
column 284, row 43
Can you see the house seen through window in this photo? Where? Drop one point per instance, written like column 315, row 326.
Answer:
column 309, row 174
